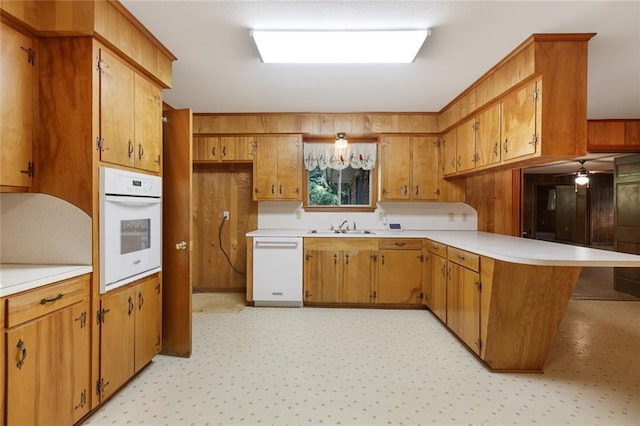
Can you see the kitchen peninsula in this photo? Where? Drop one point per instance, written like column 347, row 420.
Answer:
column 502, row 296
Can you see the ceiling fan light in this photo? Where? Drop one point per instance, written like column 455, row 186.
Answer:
column 582, row 179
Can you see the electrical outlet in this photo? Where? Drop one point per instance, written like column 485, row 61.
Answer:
column 465, row 217
column 225, row 214
column 451, row 215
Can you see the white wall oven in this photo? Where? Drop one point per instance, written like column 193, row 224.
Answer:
column 130, row 227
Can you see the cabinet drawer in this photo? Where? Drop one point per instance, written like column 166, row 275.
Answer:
column 437, row 248
column 399, row 244
column 464, row 258
column 33, row 304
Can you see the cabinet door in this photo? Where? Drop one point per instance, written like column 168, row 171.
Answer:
column 148, row 329
column 39, row 367
column 438, row 279
column 117, row 340
column 466, row 145
column 148, row 124
column 425, row 176
column 449, row 153
column 289, row 168
column 240, row 148
column 488, row 136
column 396, row 167
column 17, row 85
column 463, row 305
column 206, row 148
column 358, row 276
column 400, row 276
column 265, row 169
column 116, row 110
column 519, row 115
column 322, row 276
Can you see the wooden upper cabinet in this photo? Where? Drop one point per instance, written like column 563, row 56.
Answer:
column 613, row 135
column 487, row 130
column 117, row 110
column 206, row 148
column 148, row 124
column 130, row 116
column 409, row 168
column 236, row 149
column 521, row 121
column 109, row 19
column 396, row 167
column 18, row 74
column 449, row 153
column 425, row 162
column 466, row 146
column 277, row 171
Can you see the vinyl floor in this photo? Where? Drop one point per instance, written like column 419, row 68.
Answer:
column 317, row 366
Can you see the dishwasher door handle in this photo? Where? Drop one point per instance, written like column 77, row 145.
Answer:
column 276, row 244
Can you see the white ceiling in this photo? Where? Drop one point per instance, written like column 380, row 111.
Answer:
column 218, row 68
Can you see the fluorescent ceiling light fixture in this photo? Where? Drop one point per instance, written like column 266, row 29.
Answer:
column 339, row 47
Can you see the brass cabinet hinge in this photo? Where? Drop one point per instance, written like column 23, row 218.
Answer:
column 83, row 400
column 82, row 319
column 31, row 170
column 31, row 55
column 100, row 385
column 479, row 344
column 100, row 315
column 421, row 295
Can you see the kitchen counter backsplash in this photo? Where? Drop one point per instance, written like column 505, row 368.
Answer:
column 421, row 215
column 42, row 229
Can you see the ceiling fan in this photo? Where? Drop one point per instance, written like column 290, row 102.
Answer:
column 582, row 175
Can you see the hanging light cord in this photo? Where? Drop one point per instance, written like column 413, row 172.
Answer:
column 239, row 272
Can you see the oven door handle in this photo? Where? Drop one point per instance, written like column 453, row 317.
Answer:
column 132, row 201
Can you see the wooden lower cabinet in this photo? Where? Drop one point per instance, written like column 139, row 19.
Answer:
column 322, row 276
column 400, row 276
column 506, row 313
column 463, row 304
column 340, row 270
column 358, row 271
column 130, row 332
column 48, row 354
column 359, row 276
column 436, row 285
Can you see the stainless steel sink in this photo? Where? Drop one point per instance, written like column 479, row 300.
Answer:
column 340, row 231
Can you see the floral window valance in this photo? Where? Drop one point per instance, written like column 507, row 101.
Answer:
column 326, row 155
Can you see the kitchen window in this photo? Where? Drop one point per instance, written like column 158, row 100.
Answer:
column 340, row 179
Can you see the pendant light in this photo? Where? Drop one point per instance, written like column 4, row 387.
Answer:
column 341, row 141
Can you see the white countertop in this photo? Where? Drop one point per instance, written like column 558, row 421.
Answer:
column 501, row 247
column 15, row 277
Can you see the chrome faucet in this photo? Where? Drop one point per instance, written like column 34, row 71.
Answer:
column 342, row 224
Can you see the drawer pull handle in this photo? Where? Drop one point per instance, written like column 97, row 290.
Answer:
column 400, row 244
column 461, row 257
column 51, row 300
column 23, row 353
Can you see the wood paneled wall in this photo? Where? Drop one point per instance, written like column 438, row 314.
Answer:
column 496, row 198
column 218, row 188
column 316, row 124
column 591, row 211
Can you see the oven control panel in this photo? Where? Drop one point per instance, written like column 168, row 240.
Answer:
column 123, row 182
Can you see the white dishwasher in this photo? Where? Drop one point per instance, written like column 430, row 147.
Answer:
column 277, row 271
